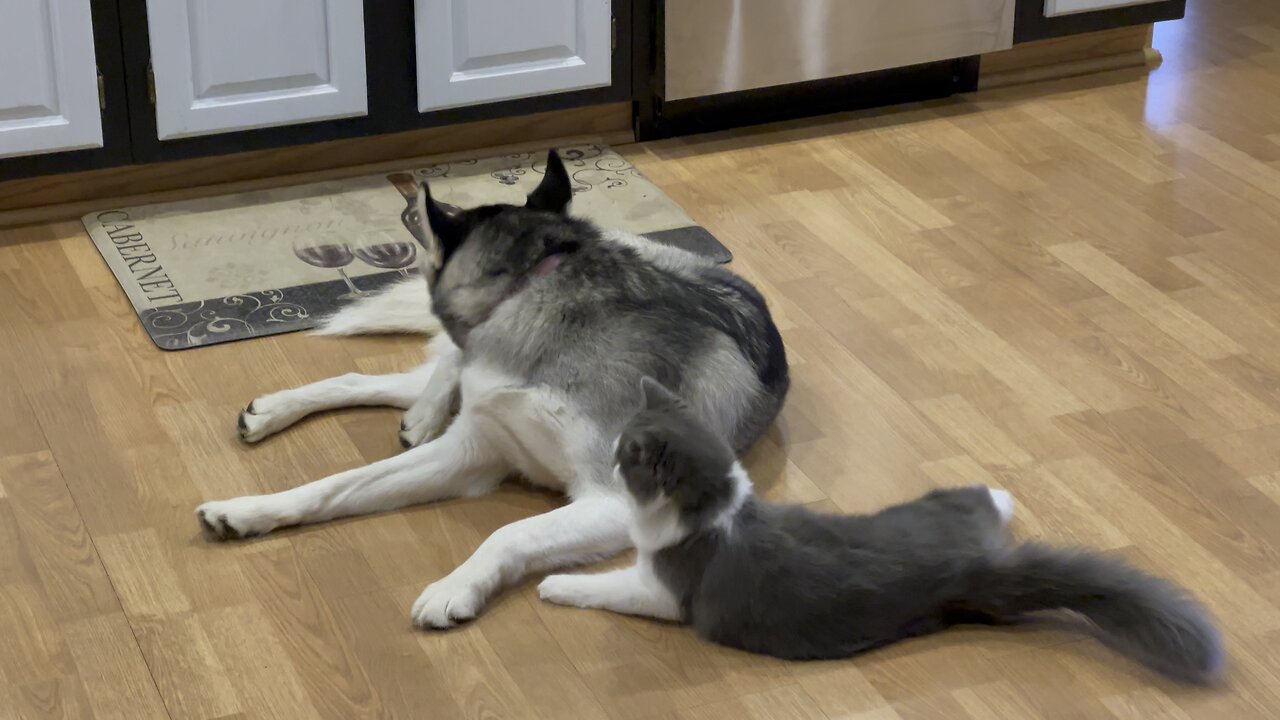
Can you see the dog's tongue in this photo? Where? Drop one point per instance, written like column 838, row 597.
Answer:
column 547, row 264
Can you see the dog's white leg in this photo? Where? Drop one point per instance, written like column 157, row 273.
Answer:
column 632, row 591
column 272, row 413
column 583, row 530
column 457, row 463
column 429, row 414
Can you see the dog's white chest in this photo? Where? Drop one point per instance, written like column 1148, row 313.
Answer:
column 541, row 434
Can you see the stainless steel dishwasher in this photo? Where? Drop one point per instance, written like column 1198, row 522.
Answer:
column 720, row 46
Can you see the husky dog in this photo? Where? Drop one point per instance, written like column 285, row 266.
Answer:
column 549, row 324
column 785, row 581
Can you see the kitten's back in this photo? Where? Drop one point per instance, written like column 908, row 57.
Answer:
column 788, row 582
column 793, row 583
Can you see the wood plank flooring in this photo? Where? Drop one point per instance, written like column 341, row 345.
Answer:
column 1067, row 290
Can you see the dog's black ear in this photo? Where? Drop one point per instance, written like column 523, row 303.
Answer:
column 448, row 230
column 555, row 191
column 655, row 396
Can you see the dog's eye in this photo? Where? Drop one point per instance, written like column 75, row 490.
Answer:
column 495, row 273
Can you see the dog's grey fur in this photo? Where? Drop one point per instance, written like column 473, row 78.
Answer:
column 789, row 582
column 609, row 314
column 550, row 325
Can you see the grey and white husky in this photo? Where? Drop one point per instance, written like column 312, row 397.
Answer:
column 785, row 581
column 549, row 325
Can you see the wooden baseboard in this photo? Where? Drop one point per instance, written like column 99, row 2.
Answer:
column 1069, row 56
column 59, row 197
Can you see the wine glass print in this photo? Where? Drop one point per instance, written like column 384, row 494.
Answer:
column 383, row 250
column 328, row 250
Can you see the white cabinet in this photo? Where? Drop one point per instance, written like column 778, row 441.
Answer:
column 1054, row 8
column 476, row 51
column 223, row 65
column 48, row 77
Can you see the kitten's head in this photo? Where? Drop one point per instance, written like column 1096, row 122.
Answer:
column 667, row 455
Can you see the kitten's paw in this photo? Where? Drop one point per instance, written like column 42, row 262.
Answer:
column 238, row 518
column 265, row 416
column 446, row 602
column 568, row 590
column 1003, row 501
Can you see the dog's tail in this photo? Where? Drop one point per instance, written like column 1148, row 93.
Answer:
column 403, row 307
column 1152, row 620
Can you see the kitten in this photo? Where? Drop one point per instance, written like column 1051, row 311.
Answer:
column 785, row 581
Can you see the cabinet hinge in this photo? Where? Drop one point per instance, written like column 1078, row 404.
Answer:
column 102, row 91
column 613, row 33
column 151, row 84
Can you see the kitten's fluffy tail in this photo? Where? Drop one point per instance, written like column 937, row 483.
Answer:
column 1152, row 620
column 403, row 307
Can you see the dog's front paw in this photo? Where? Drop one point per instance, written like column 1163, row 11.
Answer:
column 241, row 517
column 412, row 436
column 569, row 590
column 451, row 600
column 263, row 417
column 423, row 423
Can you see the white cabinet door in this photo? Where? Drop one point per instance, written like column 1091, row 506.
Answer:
column 223, row 65
column 475, row 51
column 1053, row 8
column 48, row 77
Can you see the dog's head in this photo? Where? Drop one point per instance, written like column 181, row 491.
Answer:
column 478, row 257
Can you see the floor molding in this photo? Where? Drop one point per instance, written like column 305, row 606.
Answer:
column 1056, row 58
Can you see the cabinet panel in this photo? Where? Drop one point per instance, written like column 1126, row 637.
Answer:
column 223, row 65
column 475, row 51
column 49, row 86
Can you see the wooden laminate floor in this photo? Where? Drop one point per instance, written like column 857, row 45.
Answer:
column 1067, row 290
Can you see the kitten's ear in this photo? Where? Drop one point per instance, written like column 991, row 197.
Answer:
column 653, row 395
column 447, row 230
column 555, row 191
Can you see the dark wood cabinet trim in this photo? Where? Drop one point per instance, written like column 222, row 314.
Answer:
column 1031, row 24
column 647, row 68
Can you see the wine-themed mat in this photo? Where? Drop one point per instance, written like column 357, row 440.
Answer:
column 212, row 270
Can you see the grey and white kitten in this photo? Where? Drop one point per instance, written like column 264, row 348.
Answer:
column 785, row 581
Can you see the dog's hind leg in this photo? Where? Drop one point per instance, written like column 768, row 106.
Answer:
column 460, row 462
column 272, row 413
column 584, row 530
